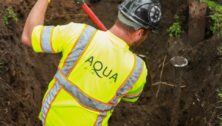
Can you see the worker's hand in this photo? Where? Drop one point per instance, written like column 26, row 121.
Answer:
column 94, row 1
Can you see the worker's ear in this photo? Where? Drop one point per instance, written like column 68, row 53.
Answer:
column 138, row 35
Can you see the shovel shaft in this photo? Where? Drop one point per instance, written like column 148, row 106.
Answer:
column 93, row 17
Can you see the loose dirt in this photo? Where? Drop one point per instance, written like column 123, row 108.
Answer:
column 24, row 75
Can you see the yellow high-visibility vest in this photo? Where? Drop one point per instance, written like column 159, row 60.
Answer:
column 96, row 71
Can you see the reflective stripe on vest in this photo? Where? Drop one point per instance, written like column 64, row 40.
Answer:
column 125, row 88
column 133, row 96
column 83, row 99
column 100, row 118
column 46, row 39
column 48, row 101
column 71, row 60
column 84, row 40
column 80, row 96
column 130, row 82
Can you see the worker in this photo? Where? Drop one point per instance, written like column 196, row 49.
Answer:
column 97, row 70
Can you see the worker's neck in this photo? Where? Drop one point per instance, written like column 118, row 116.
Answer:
column 121, row 34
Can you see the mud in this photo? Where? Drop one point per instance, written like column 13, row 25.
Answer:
column 24, row 75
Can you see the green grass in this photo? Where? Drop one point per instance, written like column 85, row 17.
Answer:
column 219, row 50
column 220, row 101
column 9, row 15
column 216, row 16
column 175, row 29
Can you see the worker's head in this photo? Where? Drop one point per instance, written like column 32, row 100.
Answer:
column 139, row 18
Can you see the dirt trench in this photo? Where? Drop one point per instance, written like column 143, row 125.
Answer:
column 24, row 75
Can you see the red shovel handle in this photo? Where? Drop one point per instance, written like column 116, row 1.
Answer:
column 93, row 17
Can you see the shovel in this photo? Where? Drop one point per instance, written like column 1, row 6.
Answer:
column 91, row 14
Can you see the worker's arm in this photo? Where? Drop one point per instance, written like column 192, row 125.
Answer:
column 49, row 39
column 134, row 93
column 35, row 17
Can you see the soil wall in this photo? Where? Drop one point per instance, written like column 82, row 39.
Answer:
column 24, row 75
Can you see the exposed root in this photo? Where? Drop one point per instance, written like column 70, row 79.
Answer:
column 167, row 84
